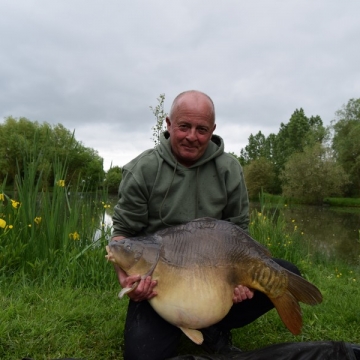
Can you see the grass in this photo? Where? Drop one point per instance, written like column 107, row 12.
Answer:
column 330, row 201
column 60, row 321
column 58, row 295
column 343, row 202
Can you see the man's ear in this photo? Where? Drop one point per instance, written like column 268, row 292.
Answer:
column 168, row 123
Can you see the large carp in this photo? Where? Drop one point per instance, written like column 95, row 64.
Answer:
column 198, row 265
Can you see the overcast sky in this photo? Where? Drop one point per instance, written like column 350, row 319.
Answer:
column 97, row 66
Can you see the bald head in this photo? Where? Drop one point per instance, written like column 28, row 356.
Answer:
column 194, row 96
column 190, row 124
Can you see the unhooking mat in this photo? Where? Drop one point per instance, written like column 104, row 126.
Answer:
column 316, row 350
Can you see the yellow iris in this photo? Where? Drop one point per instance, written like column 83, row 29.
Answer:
column 37, row 220
column 2, row 197
column 15, row 204
column 75, row 236
column 2, row 223
column 60, row 183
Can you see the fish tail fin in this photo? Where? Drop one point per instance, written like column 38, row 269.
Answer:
column 287, row 304
column 289, row 311
column 303, row 290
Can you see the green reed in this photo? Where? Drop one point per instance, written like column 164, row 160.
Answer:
column 62, row 301
column 47, row 232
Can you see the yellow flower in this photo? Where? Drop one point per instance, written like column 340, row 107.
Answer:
column 37, row 220
column 2, row 223
column 75, row 236
column 29, row 225
column 10, row 226
column 14, row 203
column 60, row 183
column 2, row 197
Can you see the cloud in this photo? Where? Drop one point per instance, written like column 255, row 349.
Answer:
column 97, row 67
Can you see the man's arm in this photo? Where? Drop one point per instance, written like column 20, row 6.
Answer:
column 145, row 288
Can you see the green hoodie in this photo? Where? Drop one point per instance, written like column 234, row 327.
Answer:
column 157, row 192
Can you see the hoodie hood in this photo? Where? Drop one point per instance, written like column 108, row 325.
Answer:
column 215, row 148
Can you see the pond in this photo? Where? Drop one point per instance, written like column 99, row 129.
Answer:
column 333, row 231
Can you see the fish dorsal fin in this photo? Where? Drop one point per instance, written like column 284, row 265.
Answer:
column 195, row 335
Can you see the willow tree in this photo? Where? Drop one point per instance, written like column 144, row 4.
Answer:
column 312, row 175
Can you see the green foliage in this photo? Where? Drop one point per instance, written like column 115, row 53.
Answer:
column 22, row 136
column 160, row 116
column 43, row 232
column 299, row 132
column 112, row 179
column 52, row 319
column 259, row 176
column 292, row 137
column 259, row 146
column 346, row 142
column 313, row 175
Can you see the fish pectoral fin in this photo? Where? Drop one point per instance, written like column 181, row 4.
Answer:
column 127, row 290
column 289, row 311
column 195, row 335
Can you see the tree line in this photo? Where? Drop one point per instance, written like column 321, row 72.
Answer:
column 305, row 159
column 22, row 140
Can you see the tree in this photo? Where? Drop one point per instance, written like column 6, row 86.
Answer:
column 346, row 142
column 21, row 138
column 160, row 116
column 299, row 132
column 112, row 179
column 312, row 175
column 259, row 175
column 292, row 137
column 15, row 139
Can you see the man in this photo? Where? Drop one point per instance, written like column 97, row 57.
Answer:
column 187, row 176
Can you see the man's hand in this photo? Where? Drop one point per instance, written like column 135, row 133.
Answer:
column 145, row 288
column 143, row 291
column 242, row 293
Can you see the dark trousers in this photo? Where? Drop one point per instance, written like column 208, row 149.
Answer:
column 148, row 336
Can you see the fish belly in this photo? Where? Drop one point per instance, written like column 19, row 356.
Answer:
column 192, row 298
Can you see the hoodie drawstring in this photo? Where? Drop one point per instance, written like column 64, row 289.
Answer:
column 166, row 194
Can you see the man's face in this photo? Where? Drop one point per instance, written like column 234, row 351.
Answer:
column 191, row 127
